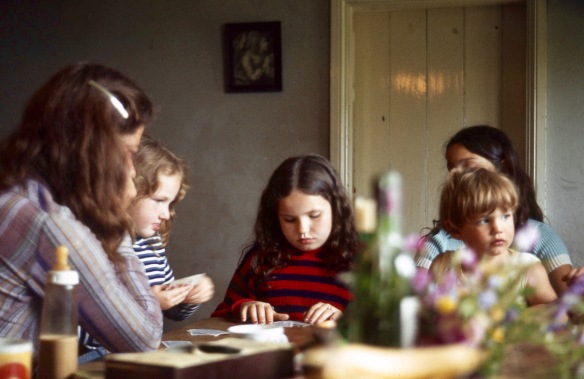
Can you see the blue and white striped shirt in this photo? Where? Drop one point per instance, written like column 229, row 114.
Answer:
column 153, row 256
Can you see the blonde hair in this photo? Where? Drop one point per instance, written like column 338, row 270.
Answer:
column 473, row 192
column 151, row 160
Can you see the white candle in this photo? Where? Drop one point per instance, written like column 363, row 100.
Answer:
column 365, row 215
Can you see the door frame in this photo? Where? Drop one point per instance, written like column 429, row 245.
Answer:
column 342, row 74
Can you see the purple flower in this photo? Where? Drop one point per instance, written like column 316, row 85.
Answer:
column 577, row 287
column 511, row 315
column 487, row 299
column 450, row 281
column 565, row 303
column 420, row 280
column 468, row 258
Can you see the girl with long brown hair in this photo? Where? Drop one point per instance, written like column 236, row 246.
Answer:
column 65, row 179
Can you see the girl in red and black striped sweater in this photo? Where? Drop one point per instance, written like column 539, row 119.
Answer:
column 304, row 237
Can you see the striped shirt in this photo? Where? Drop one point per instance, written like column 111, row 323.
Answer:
column 116, row 304
column 548, row 247
column 293, row 289
column 153, row 255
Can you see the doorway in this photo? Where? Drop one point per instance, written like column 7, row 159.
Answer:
column 414, row 76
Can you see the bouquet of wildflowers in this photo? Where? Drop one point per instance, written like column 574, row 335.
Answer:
column 481, row 311
column 488, row 312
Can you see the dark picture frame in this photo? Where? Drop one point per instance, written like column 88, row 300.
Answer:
column 253, row 57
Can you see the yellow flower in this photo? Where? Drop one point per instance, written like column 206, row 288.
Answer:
column 498, row 334
column 445, row 305
column 497, row 314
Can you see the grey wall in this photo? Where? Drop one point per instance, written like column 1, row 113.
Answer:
column 565, row 135
column 232, row 142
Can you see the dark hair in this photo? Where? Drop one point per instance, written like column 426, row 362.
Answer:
column 69, row 138
column 495, row 146
column 313, row 175
column 151, row 160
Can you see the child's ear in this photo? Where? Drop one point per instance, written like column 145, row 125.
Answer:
column 452, row 230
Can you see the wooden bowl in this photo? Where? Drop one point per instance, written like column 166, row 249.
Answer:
column 352, row 361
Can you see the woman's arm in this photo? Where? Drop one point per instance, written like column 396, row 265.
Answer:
column 116, row 304
column 557, row 278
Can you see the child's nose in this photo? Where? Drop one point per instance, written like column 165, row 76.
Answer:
column 164, row 214
column 303, row 226
column 496, row 226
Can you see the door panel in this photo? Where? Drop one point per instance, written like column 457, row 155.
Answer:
column 407, row 106
column 419, row 76
column 371, row 100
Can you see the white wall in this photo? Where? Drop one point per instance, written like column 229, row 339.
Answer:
column 232, row 142
column 565, row 135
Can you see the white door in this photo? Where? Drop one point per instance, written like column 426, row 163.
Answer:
column 418, row 76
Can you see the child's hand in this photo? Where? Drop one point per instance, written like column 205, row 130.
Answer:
column 168, row 297
column 320, row 312
column 260, row 313
column 203, row 291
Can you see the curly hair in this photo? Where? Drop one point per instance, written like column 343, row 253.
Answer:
column 151, row 160
column 313, row 175
column 70, row 138
column 472, row 192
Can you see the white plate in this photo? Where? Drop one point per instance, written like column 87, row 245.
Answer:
column 260, row 332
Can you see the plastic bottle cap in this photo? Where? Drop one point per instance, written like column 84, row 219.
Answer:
column 63, row 278
column 61, row 273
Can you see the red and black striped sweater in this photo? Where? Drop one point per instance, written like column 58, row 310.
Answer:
column 293, row 289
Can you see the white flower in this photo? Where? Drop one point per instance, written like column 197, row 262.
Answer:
column 526, row 237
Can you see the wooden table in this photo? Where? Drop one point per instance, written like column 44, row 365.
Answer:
column 300, row 337
column 521, row 361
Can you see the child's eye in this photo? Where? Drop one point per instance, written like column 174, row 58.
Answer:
column 482, row 221
column 314, row 215
column 289, row 219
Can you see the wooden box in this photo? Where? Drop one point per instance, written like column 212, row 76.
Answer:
column 249, row 359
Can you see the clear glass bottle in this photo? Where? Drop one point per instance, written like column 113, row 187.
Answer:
column 384, row 309
column 58, row 332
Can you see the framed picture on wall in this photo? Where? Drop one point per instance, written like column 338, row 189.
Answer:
column 253, row 57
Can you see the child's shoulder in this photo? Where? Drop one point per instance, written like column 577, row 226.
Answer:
column 524, row 258
column 444, row 258
column 441, row 263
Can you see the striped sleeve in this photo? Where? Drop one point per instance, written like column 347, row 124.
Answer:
column 116, row 304
column 238, row 291
column 152, row 254
column 549, row 247
column 436, row 244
